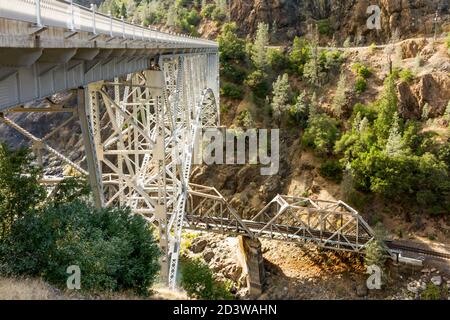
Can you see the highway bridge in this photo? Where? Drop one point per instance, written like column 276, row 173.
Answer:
column 143, row 97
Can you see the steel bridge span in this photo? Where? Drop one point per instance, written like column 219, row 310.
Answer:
column 143, row 97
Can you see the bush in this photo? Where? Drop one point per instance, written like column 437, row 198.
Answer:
column 233, row 73
column 231, row 47
column 361, row 70
column 277, row 60
column 114, row 250
column 232, row 91
column 208, row 10
column 299, row 55
column 198, row 281
column 406, row 75
column 331, row 169
column 360, row 85
column 257, row 81
column 19, row 186
column 324, row 27
column 432, row 292
column 218, row 15
column 321, row 134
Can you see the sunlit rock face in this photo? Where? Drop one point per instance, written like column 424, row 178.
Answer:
column 345, row 18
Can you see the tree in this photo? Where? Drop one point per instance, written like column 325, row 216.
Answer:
column 231, row 47
column 321, row 133
column 172, row 16
column 299, row 111
column 123, row 10
column 394, row 145
column 259, row 54
column 375, row 250
column 312, row 70
column 299, row 55
column 387, row 107
column 280, row 101
column 340, row 97
column 20, row 191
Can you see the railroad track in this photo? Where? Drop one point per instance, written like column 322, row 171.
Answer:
column 426, row 252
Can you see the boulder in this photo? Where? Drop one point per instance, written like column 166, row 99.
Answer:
column 208, row 255
column 361, row 290
column 436, row 280
column 198, row 245
column 407, row 102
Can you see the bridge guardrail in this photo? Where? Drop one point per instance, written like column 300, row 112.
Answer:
column 66, row 14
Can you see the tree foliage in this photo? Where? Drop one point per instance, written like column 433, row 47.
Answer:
column 280, row 101
column 198, row 281
column 20, row 191
column 259, row 54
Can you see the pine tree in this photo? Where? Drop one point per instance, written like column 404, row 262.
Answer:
column 387, row 108
column 280, row 101
column 171, row 15
column 123, row 10
column 375, row 251
column 312, row 70
column 259, row 54
column 340, row 97
column 300, row 110
column 394, row 145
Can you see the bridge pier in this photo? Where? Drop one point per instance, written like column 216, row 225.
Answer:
column 250, row 254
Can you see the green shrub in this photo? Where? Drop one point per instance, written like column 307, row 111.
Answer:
column 277, row 60
column 331, row 169
column 257, row 81
column 208, row 10
column 114, row 250
column 324, row 27
column 231, row 47
column 360, row 85
column 232, row 91
column 193, row 18
column 299, row 55
column 406, row 75
column 218, row 15
column 432, row 292
column 368, row 112
column 321, row 133
column 198, row 281
column 19, row 186
column 361, row 70
column 233, row 73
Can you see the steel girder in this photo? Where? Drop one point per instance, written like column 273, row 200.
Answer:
column 139, row 136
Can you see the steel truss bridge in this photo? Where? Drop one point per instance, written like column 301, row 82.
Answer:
column 143, row 97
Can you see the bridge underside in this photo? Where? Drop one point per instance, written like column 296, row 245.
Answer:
column 38, row 62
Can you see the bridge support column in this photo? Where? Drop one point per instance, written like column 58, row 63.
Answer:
column 253, row 263
column 95, row 177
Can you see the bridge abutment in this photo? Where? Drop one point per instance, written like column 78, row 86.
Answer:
column 250, row 254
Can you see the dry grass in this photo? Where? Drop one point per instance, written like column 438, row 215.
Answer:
column 27, row 289
column 36, row 289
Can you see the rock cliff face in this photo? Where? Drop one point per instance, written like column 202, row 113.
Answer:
column 345, row 18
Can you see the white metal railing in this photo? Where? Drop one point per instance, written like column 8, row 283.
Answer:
column 66, row 14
